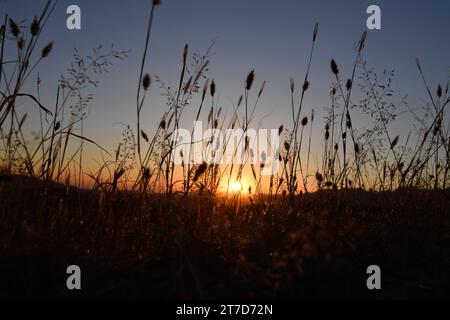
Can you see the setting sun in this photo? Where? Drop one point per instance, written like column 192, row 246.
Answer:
column 236, row 187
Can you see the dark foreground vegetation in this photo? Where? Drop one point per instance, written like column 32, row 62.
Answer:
column 131, row 245
column 148, row 228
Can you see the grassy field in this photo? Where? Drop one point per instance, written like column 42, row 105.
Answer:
column 148, row 246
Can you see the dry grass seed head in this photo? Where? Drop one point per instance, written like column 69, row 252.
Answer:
column 292, row 83
column 261, row 89
column 304, row 121
column 334, row 67
column 212, row 88
column 439, row 91
column 20, row 43
column 348, row 85
column 47, row 49
column 240, row 100
column 250, row 79
column 144, row 135
column 315, row 32
column 146, row 81
column 362, row 41
column 205, row 89
column 200, row 171
column 305, row 85
column 185, row 54
column 14, row 28
column 394, row 142
column 35, row 27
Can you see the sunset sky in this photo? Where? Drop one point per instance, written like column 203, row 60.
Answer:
column 272, row 37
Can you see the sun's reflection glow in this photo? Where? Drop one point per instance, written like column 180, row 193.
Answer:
column 236, row 187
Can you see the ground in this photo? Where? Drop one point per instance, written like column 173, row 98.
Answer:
column 137, row 245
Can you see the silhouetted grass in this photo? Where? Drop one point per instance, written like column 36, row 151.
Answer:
column 149, row 228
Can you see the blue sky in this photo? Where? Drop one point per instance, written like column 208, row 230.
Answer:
column 272, row 37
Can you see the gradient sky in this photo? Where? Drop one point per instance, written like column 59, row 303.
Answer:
column 273, row 37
